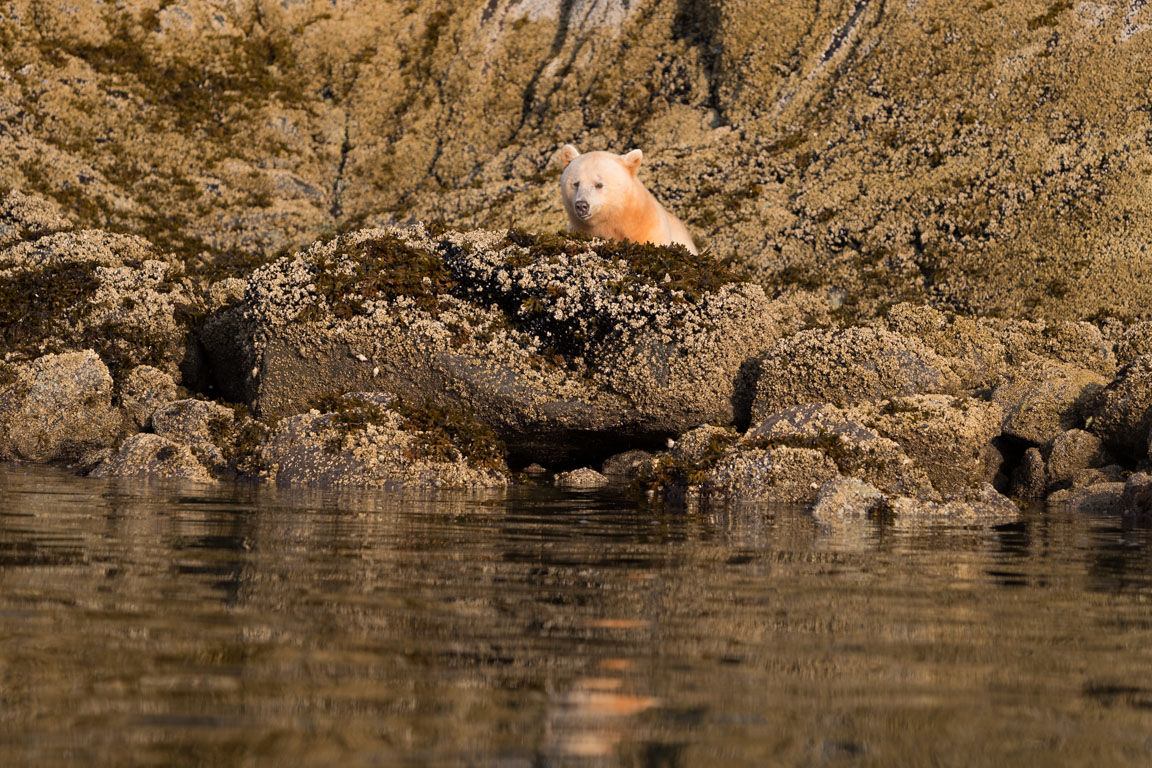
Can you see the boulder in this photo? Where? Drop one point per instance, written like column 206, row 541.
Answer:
column 585, row 477
column 949, row 438
column 114, row 294
column 1122, row 413
column 207, row 429
column 1073, row 451
column 626, row 464
column 152, row 457
column 1030, row 479
column 365, row 443
column 142, row 391
column 846, row 367
column 27, row 217
column 971, row 344
column 59, row 408
column 562, row 346
column 1099, row 498
column 1043, row 399
column 843, row 497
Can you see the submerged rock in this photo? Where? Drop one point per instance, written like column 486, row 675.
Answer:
column 586, row 477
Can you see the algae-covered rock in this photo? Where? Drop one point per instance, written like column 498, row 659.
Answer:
column 560, row 345
column 375, row 441
column 143, row 390
column 26, row 217
column 1073, row 451
column 585, row 477
column 152, row 457
column 225, row 442
column 1043, row 399
column 111, row 293
column 848, row 366
column 59, row 408
column 1122, row 413
column 949, row 438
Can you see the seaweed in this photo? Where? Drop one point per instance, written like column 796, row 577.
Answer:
column 383, row 267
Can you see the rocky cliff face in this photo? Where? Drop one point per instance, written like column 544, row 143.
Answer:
column 990, row 157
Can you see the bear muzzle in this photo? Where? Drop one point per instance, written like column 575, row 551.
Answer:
column 581, row 208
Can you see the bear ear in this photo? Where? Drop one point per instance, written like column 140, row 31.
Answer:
column 632, row 160
column 568, row 153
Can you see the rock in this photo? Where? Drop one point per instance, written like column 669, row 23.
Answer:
column 26, row 217
column 845, row 367
column 856, row 450
column 366, row 444
column 979, row 504
column 152, row 457
column 1073, row 451
column 949, row 438
column 1137, row 494
column 144, row 390
column 61, row 408
column 779, row 474
column 1075, row 344
column 626, row 464
column 585, row 477
column 204, row 427
column 561, row 346
column 1042, row 399
column 1134, row 342
column 970, row 344
column 1122, row 413
column 114, row 294
column 847, row 497
column 1110, row 473
column 1030, row 480
column 1093, row 499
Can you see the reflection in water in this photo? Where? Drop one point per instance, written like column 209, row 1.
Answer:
column 188, row 625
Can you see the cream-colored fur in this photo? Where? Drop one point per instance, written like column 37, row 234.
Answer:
column 603, row 198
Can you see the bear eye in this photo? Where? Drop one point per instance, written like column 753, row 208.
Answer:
column 599, row 185
column 575, row 185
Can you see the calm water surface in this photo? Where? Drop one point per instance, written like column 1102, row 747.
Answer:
column 161, row 625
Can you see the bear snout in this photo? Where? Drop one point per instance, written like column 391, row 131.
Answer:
column 581, row 208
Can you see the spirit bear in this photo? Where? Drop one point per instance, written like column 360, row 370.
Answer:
column 604, row 199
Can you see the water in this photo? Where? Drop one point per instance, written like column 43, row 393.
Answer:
column 160, row 625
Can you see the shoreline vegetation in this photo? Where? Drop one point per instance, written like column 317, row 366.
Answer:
column 310, row 245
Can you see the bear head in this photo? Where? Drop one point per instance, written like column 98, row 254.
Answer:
column 594, row 184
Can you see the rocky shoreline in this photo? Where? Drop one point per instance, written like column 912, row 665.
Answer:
column 401, row 358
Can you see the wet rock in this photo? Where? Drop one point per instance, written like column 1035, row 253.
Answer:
column 979, row 504
column 204, row 427
column 1122, row 414
column 366, row 444
column 848, row 366
column 855, row 449
column 112, row 293
column 152, row 457
column 1137, row 494
column 60, row 407
column 585, row 477
column 1098, row 498
column 626, row 464
column 949, row 438
column 1030, row 480
column 847, row 497
column 559, row 345
column 1073, row 451
column 144, row 390
column 1042, row 399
